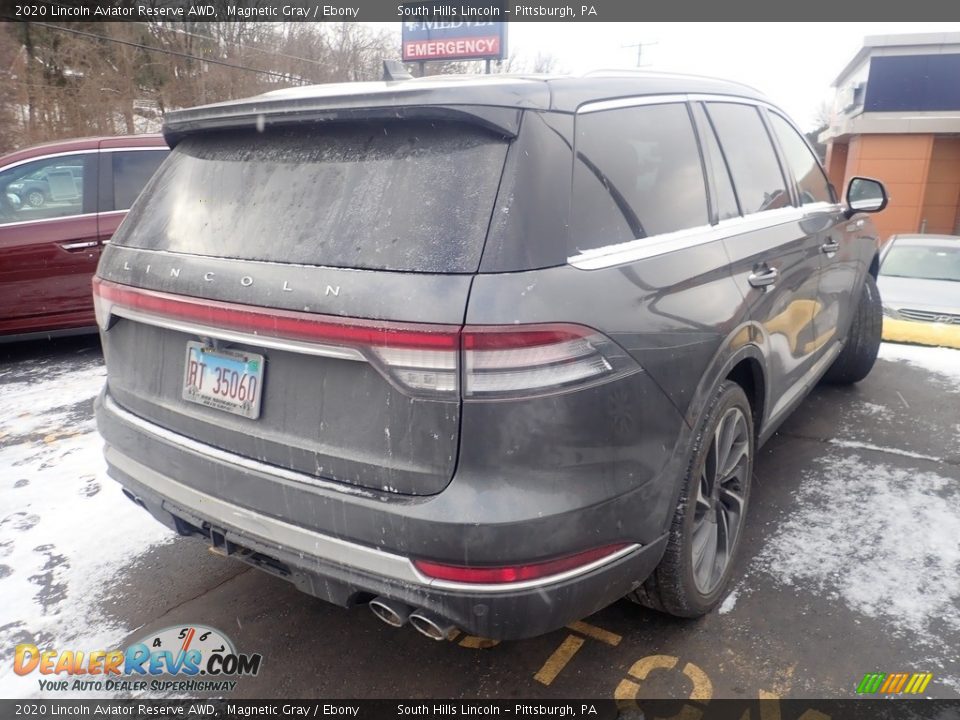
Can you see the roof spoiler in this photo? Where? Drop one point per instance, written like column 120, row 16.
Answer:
column 394, row 70
column 249, row 116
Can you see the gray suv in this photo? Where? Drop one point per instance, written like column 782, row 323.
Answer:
column 486, row 353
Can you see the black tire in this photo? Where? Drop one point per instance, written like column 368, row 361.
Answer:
column 35, row 198
column 677, row 586
column 859, row 353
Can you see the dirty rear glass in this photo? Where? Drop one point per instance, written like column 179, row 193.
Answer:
column 413, row 196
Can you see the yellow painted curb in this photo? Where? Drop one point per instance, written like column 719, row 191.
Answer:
column 921, row 333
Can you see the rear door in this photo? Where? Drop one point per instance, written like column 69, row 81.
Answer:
column 48, row 241
column 335, row 262
column 775, row 257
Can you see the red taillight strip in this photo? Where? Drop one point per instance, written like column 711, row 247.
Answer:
column 506, row 338
column 280, row 323
column 515, row 573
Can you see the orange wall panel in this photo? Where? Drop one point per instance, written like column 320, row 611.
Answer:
column 902, row 163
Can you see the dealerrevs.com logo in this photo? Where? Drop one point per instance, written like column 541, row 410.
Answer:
column 193, row 658
column 894, row 683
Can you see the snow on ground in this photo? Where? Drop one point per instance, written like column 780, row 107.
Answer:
column 882, row 539
column 942, row 361
column 66, row 530
column 729, row 603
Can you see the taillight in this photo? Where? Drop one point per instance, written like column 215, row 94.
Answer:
column 498, row 362
column 420, row 358
column 517, row 573
column 502, row 362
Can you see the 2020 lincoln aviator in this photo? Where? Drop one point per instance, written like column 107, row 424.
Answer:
column 486, row 353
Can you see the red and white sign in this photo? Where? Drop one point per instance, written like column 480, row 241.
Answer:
column 458, row 48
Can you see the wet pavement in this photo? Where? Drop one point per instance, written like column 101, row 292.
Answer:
column 850, row 564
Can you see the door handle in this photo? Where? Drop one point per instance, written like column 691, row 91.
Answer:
column 79, row 245
column 830, row 246
column 763, row 276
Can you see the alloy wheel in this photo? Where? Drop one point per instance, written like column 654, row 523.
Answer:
column 719, row 511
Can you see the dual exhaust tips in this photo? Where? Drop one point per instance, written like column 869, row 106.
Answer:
column 396, row 614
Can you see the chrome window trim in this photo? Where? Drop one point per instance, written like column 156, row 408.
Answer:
column 280, row 533
column 18, row 163
column 637, row 101
column 201, row 330
column 51, row 219
column 641, row 100
column 655, row 245
column 158, row 148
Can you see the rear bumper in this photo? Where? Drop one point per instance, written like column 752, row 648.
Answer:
column 359, row 545
column 346, row 573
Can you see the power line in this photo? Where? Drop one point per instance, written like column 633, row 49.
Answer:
column 238, row 44
column 176, row 53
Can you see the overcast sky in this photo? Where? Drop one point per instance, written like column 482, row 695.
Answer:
column 793, row 63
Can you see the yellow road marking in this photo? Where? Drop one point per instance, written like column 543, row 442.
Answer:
column 592, row 631
column 702, row 687
column 641, row 668
column 558, row 661
column 626, row 690
column 769, row 706
column 478, row 643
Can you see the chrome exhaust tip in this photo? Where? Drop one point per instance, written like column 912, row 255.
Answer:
column 393, row 613
column 435, row 628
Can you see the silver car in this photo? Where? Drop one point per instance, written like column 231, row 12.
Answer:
column 920, row 285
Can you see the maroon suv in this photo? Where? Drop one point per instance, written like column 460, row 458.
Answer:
column 59, row 203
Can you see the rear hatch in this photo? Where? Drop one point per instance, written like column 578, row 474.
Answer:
column 293, row 295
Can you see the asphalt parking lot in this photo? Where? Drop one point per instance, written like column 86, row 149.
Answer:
column 851, row 564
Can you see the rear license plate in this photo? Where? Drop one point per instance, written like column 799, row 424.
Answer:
column 226, row 380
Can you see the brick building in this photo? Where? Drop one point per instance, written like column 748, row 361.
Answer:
column 896, row 117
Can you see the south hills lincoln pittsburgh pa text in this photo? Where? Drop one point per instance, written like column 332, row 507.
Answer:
column 488, row 11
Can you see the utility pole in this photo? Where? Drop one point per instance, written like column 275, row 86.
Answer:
column 639, row 46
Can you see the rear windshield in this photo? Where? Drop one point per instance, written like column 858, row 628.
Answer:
column 413, row 196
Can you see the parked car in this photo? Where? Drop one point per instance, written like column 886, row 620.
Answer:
column 484, row 353
column 59, row 203
column 920, row 284
column 36, row 189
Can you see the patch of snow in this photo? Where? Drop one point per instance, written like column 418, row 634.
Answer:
column 942, row 361
column 729, row 602
column 66, row 530
column 874, row 409
column 884, row 540
column 856, row 444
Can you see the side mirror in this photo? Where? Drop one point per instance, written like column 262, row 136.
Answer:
column 865, row 196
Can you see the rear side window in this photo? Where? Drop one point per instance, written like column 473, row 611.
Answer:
column 637, row 173
column 131, row 171
column 811, row 182
column 414, row 196
column 753, row 164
